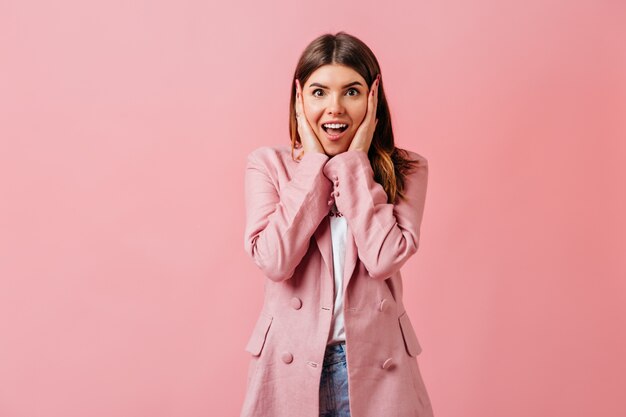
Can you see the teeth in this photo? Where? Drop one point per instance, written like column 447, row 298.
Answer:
column 334, row 125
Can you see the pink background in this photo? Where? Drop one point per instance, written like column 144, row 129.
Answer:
column 124, row 127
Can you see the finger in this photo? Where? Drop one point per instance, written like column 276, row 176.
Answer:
column 371, row 104
column 297, row 89
column 300, row 100
column 299, row 97
column 303, row 125
column 297, row 104
column 374, row 97
column 302, row 120
column 377, row 88
column 374, row 85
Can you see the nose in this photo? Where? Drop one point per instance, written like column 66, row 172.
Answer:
column 335, row 105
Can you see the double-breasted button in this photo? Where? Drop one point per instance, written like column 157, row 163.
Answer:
column 335, row 177
column 384, row 304
column 388, row 362
column 336, row 183
column 296, row 303
column 336, row 193
column 287, row 357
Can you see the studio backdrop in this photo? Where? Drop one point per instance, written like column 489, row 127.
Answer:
column 124, row 130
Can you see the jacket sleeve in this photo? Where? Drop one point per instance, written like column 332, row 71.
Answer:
column 280, row 223
column 386, row 235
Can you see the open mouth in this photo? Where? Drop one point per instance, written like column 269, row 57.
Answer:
column 334, row 129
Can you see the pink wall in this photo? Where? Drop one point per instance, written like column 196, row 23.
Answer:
column 124, row 127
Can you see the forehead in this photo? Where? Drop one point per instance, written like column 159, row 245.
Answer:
column 335, row 75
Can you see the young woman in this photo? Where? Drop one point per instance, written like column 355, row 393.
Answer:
column 330, row 229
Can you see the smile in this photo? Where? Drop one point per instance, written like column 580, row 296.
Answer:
column 334, row 131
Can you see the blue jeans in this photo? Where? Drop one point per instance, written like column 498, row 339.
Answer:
column 334, row 401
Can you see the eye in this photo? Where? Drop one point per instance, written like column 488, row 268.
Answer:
column 355, row 90
column 316, row 90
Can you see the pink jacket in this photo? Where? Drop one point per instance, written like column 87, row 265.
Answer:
column 287, row 235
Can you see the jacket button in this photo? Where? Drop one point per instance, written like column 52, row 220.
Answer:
column 330, row 202
column 383, row 305
column 336, row 183
column 336, row 193
column 387, row 363
column 335, row 177
column 287, row 357
column 296, row 303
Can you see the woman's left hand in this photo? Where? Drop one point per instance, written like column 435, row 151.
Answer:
column 364, row 134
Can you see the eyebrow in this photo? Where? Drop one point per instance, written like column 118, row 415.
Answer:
column 345, row 86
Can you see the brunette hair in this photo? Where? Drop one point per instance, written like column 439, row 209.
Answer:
column 390, row 164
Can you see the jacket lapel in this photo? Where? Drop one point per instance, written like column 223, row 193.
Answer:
column 324, row 243
column 351, row 257
column 323, row 239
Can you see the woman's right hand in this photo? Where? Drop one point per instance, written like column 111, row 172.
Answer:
column 308, row 138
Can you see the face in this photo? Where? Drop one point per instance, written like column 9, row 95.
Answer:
column 335, row 93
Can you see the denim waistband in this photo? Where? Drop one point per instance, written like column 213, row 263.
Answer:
column 335, row 354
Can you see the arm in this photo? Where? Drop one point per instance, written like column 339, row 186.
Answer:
column 386, row 235
column 279, row 226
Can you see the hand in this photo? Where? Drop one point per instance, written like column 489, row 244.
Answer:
column 364, row 134
column 309, row 139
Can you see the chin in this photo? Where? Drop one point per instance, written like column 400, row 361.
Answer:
column 333, row 150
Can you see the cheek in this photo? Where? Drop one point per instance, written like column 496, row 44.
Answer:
column 313, row 112
column 358, row 112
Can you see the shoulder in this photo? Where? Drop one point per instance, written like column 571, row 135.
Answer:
column 273, row 160
column 414, row 156
column 270, row 154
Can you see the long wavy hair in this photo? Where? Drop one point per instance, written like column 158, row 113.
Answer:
column 389, row 163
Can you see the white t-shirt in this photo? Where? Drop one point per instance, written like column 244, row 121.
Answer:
column 338, row 228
